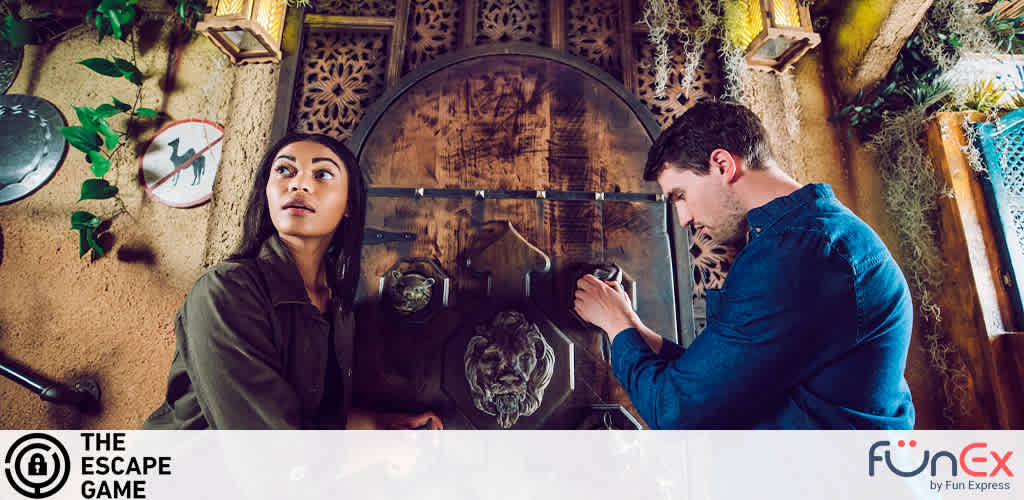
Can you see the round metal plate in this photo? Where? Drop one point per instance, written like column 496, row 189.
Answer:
column 31, row 146
column 10, row 63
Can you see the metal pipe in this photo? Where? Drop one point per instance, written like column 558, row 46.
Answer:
column 85, row 394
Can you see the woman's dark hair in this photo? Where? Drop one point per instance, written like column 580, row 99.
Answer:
column 343, row 264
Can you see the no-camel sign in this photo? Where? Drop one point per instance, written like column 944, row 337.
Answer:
column 179, row 164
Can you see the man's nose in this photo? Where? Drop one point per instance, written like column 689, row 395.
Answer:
column 685, row 217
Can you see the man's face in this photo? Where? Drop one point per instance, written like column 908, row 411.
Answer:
column 706, row 203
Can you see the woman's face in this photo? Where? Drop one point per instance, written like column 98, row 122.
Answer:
column 307, row 193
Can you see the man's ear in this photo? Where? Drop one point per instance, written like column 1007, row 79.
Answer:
column 726, row 164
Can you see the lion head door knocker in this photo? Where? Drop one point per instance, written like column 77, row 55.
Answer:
column 414, row 290
column 410, row 293
column 508, row 366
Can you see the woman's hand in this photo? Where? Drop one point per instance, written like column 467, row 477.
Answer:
column 363, row 419
column 426, row 420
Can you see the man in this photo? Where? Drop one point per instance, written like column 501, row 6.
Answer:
column 812, row 325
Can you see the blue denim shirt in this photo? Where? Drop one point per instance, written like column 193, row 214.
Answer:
column 809, row 330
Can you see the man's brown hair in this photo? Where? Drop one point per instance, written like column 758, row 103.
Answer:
column 687, row 144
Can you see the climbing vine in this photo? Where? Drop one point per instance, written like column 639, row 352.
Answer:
column 95, row 136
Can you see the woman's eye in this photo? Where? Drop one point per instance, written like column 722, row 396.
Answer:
column 324, row 175
column 281, row 170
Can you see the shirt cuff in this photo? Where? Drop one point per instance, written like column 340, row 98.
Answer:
column 627, row 348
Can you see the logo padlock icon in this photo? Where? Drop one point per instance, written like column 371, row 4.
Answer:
column 37, row 465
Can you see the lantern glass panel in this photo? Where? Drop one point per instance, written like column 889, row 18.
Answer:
column 749, row 22
column 773, row 48
column 243, row 40
column 787, row 13
column 270, row 15
column 230, row 7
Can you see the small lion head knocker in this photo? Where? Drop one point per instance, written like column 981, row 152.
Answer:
column 410, row 292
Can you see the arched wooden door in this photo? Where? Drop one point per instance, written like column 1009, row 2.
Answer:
column 555, row 147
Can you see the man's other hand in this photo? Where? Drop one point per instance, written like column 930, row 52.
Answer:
column 606, row 305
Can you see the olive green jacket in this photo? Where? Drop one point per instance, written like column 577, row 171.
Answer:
column 252, row 349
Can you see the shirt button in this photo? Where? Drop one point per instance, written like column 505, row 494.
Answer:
column 348, row 372
column 757, row 230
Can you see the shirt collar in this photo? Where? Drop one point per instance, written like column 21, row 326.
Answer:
column 765, row 216
column 282, row 275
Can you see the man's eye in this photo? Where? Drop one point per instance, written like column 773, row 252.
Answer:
column 324, row 175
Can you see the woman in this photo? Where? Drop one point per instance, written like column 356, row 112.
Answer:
column 264, row 339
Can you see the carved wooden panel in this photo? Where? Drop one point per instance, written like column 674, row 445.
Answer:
column 433, row 30
column 594, row 33
column 341, row 74
column 378, row 8
column 707, row 83
column 511, row 21
column 710, row 262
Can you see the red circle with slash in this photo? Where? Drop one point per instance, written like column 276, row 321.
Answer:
column 178, row 165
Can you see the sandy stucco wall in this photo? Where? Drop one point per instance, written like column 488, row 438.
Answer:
column 66, row 317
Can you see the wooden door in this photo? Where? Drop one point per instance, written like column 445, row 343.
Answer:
column 540, row 139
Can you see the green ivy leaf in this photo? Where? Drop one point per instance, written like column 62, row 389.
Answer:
column 106, row 111
column 87, row 117
column 125, row 66
column 101, row 66
column 83, row 244
column 97, row 189
column 120, row 105
column 146, row 112
column 17, row 32
column 84, row 220
column 90, row 237
column 81, row 138
column 112, row 137
column 98, row 163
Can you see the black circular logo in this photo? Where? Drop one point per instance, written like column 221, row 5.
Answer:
column 37, row 465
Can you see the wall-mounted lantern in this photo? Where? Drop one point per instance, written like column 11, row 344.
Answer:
column 248, row 31
column 775, row 33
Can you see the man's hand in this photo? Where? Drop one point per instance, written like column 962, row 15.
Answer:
column 605, row 305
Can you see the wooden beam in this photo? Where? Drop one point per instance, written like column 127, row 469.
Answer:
column 628, row 76
column 291, row 46
column 469, row 16
column 396, row 56
column 322, row 21
column 971, row 295
column 866, row 37
column 557, row 24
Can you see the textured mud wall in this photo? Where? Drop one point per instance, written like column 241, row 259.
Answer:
column 65, row 317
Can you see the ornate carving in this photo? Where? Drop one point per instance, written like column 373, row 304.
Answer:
column 710, row 262
column 707, row 83
column 594, row 33
column 433, row 30
column 378, row 8
column 410, row 292
column 508, row 366
column 511, row 21
column 342, row 74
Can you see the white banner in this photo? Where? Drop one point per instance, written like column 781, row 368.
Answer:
column 456, row 465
